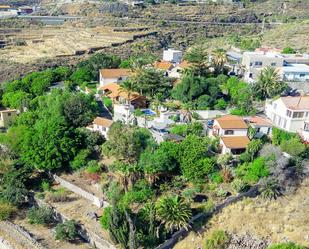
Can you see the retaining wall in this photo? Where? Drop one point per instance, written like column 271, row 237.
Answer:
column 99, row 202
column 89, row 236
column 177, row 236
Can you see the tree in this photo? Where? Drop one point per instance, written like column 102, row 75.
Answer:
column 288, row 50
column 198, row 57
column 254, row 147
column 194, row 163
column 126, row 143
column 128, row 87
column 173, row 212
column 219, row 58
column 270, row 189
column 293, row 146
column 269, row 83
column 16, row 100
column 67, row 230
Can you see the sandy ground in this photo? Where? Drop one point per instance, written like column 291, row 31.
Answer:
column 284, row 219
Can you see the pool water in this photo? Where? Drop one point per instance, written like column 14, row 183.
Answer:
column 148, row 112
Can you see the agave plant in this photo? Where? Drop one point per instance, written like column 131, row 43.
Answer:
column 270, row 189
column 173, row 212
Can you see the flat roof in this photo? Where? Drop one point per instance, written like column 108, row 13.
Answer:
column 296, row 68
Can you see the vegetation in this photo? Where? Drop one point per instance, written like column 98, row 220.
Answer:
column 217, row 240
column 289, row 245
column 67, row 230
column 6, row 210
column 41, row 215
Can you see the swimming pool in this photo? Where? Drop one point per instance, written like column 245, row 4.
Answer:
column 148, row 112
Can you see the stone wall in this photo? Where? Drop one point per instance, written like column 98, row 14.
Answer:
column 81, row 192
column 89, row 236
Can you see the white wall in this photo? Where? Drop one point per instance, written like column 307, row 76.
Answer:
column 237, row 132
column 105, row 81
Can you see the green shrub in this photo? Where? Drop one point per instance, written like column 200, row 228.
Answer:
column 207, row 207
column 196, row 116
column 105, row 218
column 80, row 160
column 278, row 136
column 221, row 192
column 289, row 245
column 239, row 185
column 270, row 189
column 41, row 215
column 6, row 210
column 293, row 147
column 216, row 177
column 67, row 230
column 138, row 113
column 288, row 50
column 217, row 240
column 252, row 172
column 93, row 167
column 45, row 185
column 107, row 102
column 188, row 194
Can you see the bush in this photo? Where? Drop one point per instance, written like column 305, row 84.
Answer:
column 270, row 189
column 45, row 185
column 59, row 195
column 294, row 147
column 41, row 215
column 93, row 167
column 67, row 230
column 288, row 245
column 216, row 177
column 107, row 102
column 6, row 210
column 80, row 160
column 221, row 192
column 217, row 240
column 239, row 185
column 104, row 220
column 278, row 136
column 288, row 50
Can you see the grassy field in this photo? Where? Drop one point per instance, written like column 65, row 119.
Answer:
column 279, row 220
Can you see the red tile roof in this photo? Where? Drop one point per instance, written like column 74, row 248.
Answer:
column 115, row 73
column 103, row 122
column 163, row 65
column 232, row 122
column 235, row 142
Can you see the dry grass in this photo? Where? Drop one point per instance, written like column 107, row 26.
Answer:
column 284, row 219
column 59, row 41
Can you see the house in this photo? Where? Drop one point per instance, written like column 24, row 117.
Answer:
column 7, row 117
column 289, row 113
column 101, row 125
column 262, row 126
column 232, row 132
column 164, row 66
column 124, row 113
column 254, row 62
column 295, row 72
column 118, row 75
column 114, row 92
column 172, row 55
column 177, row 71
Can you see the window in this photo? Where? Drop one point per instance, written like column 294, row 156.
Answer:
column 9, row 114
column 302, row 75
column 228, row 132
column 273, row 64
column 250, row 64
column 284, row 123
column 298, row 114
column 289, row 113
column 258, row 63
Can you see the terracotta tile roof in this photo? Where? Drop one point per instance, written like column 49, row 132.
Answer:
column 163, row 65
column 184, row 64
column 258, row 121
column 103, row 122
column 232, row 122
column 296, row 103
column 235, row 142
column 115, row 92
column 115, row 73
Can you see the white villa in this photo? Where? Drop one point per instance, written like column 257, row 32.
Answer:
column 290, row 114
column 118, row 75
column 233, row 133
column 172, row 55
column 101, row 125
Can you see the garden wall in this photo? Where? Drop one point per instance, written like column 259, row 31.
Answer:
column 201, row 217
column 99, row 202
column 87, row 235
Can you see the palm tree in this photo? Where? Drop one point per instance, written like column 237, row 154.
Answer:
column 269, row 83
column 173, row 212
column 128, row 87
column 219, row 58
column 270, row 189
column 157, row 102
column 186, row 110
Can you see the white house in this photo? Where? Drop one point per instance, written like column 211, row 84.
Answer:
column 262, row 126
column 7, row 117
column 289, row 113
column 232, row 131
column 124, row 113
column 102, row 125
column 295, row 72
column 177, row 71
column 118, row 75
column 172, row 55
